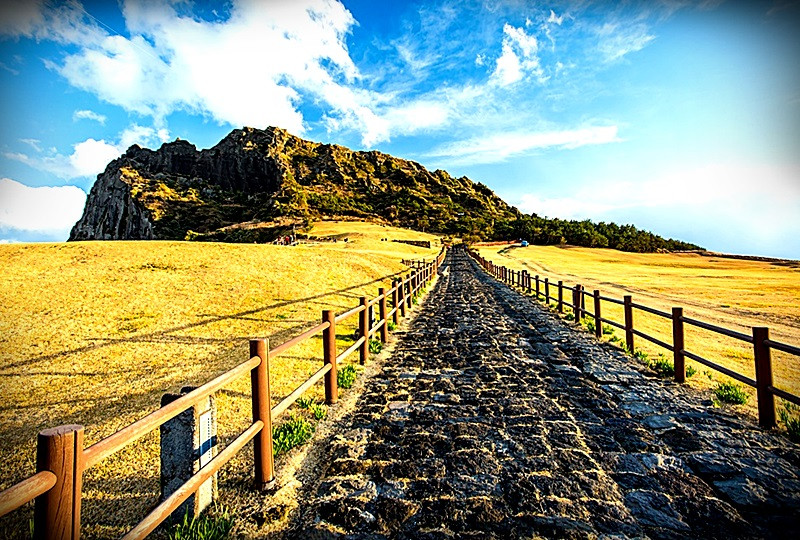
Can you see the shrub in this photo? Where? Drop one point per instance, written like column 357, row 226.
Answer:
column 346, row 376
column 570, row 317
column 203, row 527
column 294, row 432
column 608, row 330
column 790, row 416
column 589, row 325
column 690, row 371
column 731, row 392
column 391, row 326
column 375, row 346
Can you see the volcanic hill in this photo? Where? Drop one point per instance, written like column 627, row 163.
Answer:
column 254, row 177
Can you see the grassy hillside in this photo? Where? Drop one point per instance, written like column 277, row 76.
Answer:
column 731, row 293
column 95, row 332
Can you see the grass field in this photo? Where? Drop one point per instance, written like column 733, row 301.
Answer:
column 731, row 293
column 94, row 333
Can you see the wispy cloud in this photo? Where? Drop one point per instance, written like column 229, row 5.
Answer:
column 89, row 115
column 499, row 147
column 617, row 39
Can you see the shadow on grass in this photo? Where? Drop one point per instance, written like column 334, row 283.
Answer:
column 164, row 335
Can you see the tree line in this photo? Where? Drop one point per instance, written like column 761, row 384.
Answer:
column 546, row 231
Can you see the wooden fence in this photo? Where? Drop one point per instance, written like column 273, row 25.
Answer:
column 61, row 457
column 759, row 339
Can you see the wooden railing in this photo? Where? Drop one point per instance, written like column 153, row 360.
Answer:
column 759, row 339
column 61, row 458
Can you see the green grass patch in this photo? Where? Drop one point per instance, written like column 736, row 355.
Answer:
column 570, row 316
column 391, row 326
column 346, row 376
column 294, row 432
column 690, row 371
column 731, row 392
column 608, row 330
column 790, row 416
column 375, row 346
column 203, row 527
column 663, row 366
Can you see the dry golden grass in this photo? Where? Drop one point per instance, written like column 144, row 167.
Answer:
column 94, row 333
column 732, row 293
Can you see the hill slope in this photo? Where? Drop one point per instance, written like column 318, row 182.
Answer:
column 261, row 175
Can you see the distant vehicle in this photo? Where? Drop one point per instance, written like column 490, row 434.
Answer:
column 524, row 243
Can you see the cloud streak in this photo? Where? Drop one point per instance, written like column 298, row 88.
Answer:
column 499, row 147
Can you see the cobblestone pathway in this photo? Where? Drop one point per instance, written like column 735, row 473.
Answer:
column 495, row 420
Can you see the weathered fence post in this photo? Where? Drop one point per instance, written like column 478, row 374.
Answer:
column 57, row 513
column 537, row 286
column 628, row 305
column 576, row 302
column 402, row 286
column 763, row 359
column 329, row 357
column 679, row 360
column 547, row 291
column 363, row 331
column 561, row 297
column 583, row 302
column 262, row 410
column 598, row 323
column 395, row 296
column 382, row 312
column 410, row 290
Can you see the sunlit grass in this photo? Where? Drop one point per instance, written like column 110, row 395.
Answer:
column 732, row 293
column 93, row 333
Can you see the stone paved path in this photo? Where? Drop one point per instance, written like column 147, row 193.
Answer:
column 495, row 420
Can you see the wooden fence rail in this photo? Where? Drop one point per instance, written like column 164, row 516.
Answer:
column 760, row 340
column 61, row 457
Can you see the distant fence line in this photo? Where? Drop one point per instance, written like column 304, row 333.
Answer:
column 56, row 488
column 760, row 340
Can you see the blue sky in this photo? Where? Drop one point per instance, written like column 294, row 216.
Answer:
column 680, row 117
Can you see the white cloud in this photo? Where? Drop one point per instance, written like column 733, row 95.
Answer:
column 90, row 157
column 498, row 147
column 48, row 210
column 518, row 58
column 555, row 19
column 88, row 115
column 252, row 68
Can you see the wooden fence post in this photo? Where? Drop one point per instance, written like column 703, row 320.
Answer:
column 57, row 513
column 537, row 286
column 627, row 303
column 679, row 361
column 395, row 296
column 763, row 359
column 547, row 291
column 409, row 292
column 598, row 324
column 363, row 330
column 576, row 303
column 583, row 302
column 262, row 410
column 382, row 313
column 402, row 293
column 329, row 357
column 561, row 297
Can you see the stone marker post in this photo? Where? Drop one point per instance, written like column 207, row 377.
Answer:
column 188, row 442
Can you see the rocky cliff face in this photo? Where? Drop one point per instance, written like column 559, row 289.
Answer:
column 255, row 175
